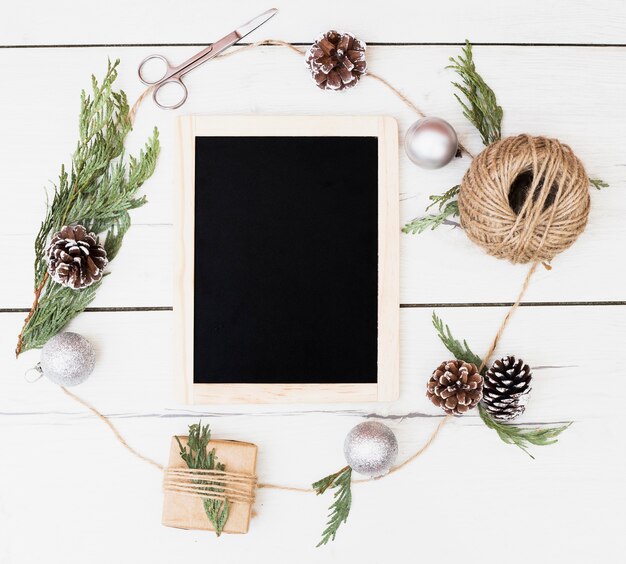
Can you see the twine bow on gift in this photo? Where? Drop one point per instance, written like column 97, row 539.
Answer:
column 210, row 484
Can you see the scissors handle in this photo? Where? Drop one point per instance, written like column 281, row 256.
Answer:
column 171, row 75
column 179, row 84
column 168, row 69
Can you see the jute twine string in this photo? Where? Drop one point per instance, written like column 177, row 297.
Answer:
column 210, row 484
column 431, row 439
column 294, row 49
column 537, row 233
column 406, row 462
column 132, row 114
column 112, row 427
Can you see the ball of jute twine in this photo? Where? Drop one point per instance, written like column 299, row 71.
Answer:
column 556, row 205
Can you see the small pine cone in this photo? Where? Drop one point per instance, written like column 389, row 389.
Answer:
column 456, row 387
column 507, row 388
column 75, row 257
column 337, row 60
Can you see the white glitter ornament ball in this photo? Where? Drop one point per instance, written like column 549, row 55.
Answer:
column 67, row 359
column 371, row 449
column 431, row 143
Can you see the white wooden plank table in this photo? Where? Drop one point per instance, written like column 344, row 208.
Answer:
column 70, row 493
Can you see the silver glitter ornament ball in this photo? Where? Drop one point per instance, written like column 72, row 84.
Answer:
column 431, row 142
column 67, row 359
column 371, row 449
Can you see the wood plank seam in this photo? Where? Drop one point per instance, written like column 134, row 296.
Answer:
column 113, row 309
column 306, row 44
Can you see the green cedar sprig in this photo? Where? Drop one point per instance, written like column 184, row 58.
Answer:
column 519, row 436
column 57, row 306
column 97, row 191
column 340, row 508
column 460, row 351
column 598, row 184
column 446, row 205
column 510, row 434
column 482, row 110
column 199, row 457
column 480, row 106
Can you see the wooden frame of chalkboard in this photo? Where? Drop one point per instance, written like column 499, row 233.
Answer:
column 198, row 388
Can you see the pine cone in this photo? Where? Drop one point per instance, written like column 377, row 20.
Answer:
column 455, row 387
column 75, row 257
column 507, row 388
column 336, row 60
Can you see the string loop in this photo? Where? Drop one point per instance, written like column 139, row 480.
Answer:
column 196, row 482
column 37, row 369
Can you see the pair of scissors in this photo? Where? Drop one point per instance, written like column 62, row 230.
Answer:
column 174, row 75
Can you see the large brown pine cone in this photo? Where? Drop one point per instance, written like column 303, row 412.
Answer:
column 337, row 60
column 455, row 386
column 75, row 257
column 507, row 388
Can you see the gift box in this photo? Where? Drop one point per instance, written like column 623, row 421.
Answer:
column 186, row 511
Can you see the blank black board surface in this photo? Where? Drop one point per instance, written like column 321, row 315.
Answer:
column 286, row 260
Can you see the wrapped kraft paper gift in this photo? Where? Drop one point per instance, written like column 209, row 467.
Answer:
column 183, row 507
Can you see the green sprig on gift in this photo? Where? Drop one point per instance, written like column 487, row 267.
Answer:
column 521, row 437
column 480, row 107
column 97, row 191
column 198, row 457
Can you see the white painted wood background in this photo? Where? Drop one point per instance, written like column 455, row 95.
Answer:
column 68, row 491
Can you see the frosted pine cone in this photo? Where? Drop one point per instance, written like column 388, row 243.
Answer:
column 455, row 386
column 507, row 388
column 75, row 257
column 337, row 60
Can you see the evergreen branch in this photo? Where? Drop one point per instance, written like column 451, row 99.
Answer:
column 447, row 207
column 510, row 434
column 480, row 106
column 520, row 437
column 56, row 307
column 115, row 235
column 200, row 457
column 458, row 350
column 97, row 191
column 340, row 508
column 598, row 184
column 443, row 199
column 421, row 224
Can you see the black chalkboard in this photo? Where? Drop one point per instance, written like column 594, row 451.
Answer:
column 285, row 260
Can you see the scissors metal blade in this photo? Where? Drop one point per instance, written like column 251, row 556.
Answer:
column 220, row 45
column 249, row 27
